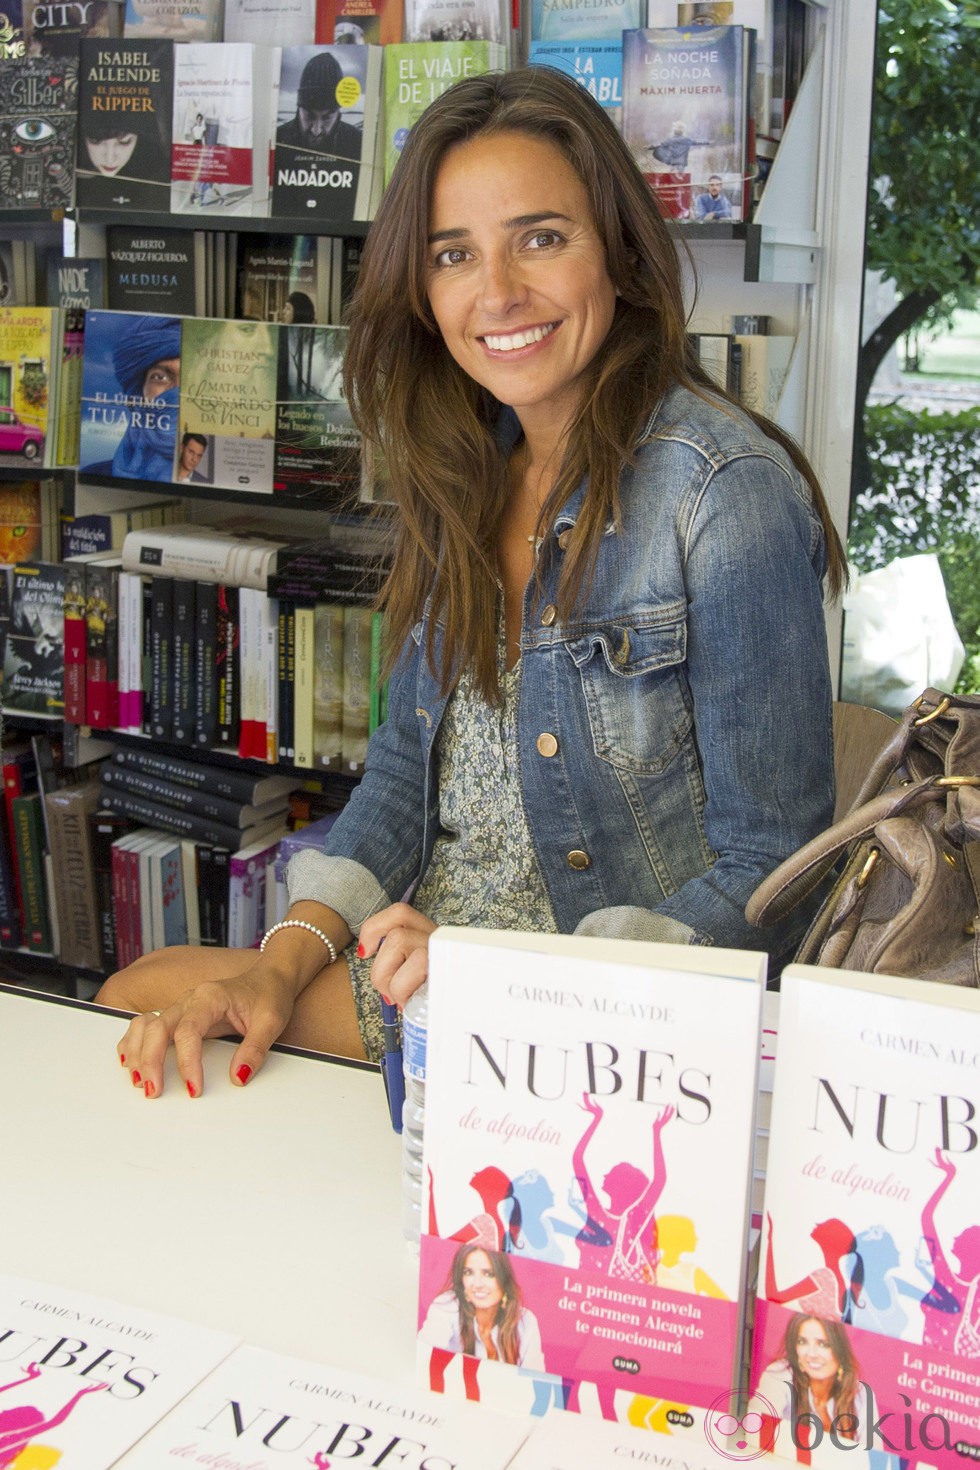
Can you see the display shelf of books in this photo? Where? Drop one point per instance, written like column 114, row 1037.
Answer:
column 254, row 224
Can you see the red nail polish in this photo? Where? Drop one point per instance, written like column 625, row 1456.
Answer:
column 360, row 951
column 191, row 1090
column 122, row 1059
column 243, row 1074
column 137, row 1079
column 148, row 1089
column 387, row 1000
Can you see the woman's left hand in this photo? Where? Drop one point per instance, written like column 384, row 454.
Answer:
column 401, row 964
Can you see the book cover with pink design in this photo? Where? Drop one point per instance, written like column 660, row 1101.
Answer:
column 589, row 1103
column 82, row 1377
column 259, row 1409
column 867, row 1334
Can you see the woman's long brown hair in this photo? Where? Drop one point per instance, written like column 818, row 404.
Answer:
column 508, row 1317
column 434, row 426
column 848, row 1380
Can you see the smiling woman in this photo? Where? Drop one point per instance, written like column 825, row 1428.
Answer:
column 605, row 601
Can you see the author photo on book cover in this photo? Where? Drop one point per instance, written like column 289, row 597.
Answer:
column 609, row 706
column 816, row 1383
column 480, row 1312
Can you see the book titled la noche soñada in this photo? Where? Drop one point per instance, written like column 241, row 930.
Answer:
column 869, row 1300
column 83, row 1378
column 588, row 1105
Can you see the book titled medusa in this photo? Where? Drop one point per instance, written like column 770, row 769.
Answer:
column 588, row 1103
column 130, row 395
column 870, row 1277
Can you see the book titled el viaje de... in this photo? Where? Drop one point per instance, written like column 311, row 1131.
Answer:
column 130, row 391
column 686, row 112
column 417, row 72
column 328, row 134
column 228, row 400
column 869, row 1290
column 125, row 114
column 583, row 1119
column 28, row 383
column 316, row 442
column 38, row 99
column 257, row 1404
column 140, row 1364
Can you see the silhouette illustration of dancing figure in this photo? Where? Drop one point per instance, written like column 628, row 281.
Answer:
column 20, row 1425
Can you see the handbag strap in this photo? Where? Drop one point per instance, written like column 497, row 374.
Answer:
column 799, row 874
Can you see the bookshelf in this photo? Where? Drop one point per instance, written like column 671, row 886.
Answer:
column 799, row 261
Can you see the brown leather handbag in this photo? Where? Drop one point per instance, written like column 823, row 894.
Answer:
column 906, row 900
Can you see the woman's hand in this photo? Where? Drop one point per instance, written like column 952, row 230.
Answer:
column 402, row 962
column 255, row 1005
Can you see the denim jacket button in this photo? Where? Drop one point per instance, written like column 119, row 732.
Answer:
column 548, row 615
column 578, row 859
column 547, row 744
column 563, row 538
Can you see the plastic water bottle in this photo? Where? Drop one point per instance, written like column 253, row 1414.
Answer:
column 414, row 1027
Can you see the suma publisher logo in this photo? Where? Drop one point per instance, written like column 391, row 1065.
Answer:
column 739, row 1430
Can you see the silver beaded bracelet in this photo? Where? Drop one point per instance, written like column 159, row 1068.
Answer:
column 300, row 924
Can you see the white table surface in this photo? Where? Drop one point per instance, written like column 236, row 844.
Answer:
column 270, row 1211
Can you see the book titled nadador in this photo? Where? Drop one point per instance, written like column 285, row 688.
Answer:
column 871, row 1278
column 83, row 1378
column 588, row 1104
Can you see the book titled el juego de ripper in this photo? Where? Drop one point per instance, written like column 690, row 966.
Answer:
column 582, row 1122
column 125, row 114
column 870, row 1272
column 130, row 395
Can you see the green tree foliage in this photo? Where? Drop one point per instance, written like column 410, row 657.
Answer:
column 923, row 224
column 924, row 495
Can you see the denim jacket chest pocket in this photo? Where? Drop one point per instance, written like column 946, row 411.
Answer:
column 635, row 688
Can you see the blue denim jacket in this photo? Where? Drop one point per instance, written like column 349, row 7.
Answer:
column 675, row 743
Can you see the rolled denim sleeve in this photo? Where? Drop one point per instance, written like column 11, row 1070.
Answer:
column 758, row 672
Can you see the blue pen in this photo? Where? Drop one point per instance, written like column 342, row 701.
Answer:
column 391, row 1064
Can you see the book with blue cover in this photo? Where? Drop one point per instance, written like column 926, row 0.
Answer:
column 130, row 395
